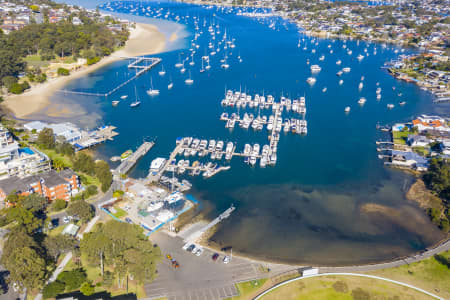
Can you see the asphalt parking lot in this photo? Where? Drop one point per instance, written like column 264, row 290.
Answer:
column 197, row 278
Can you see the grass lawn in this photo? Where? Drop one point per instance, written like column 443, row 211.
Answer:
column 428, row 274
column 399, row 137
column 248, row 289
column 343, row 287
column 35, row 61
column 57, row 231
column 120, row 213
column 53, row 155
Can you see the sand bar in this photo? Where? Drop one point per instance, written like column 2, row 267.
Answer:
column 144, row 39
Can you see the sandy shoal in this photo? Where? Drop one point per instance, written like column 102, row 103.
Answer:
column 144, row 39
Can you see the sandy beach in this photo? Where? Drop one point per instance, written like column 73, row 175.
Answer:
column 144, row 39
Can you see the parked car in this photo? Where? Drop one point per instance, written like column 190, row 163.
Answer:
column 199, row 251
column 128, row 220
column 226, row 259
column 66, row 220
column 186, row 246
column 191, row 248
column 215, row 256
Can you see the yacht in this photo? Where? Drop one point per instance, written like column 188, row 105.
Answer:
column 360, row 86
column 170, row 86
column 123, row 97
column 115, row 102
column 322, row 58
column 360, row 57
column 347, row 109
column 315, row 68
column 338, row 62
column 378, row 96
column 402, row 103
column 341, row 82
column 339, row 73
column 346, row 69
column 152, row 91
column 324, row 89
column 311, row 80
column 361, row 101
column 390, row 106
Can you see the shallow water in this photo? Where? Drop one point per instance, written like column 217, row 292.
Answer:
column 312, row 206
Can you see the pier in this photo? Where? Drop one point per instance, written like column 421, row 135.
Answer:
column 134, row 65
column 127, row 164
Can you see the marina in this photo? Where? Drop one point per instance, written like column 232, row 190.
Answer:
column 320, row 190
column 132, row 159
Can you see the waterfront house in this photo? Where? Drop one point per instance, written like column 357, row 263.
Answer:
column 408, row 159
column 417, row 140
column 435, row 123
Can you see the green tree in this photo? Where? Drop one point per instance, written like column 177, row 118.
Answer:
column 53, row 289
column 59, row 204
column 23, row 218
column 82, row 209
column 72, row 279
column 87, row 289
column 46, row 138
column 58, row 164
column 63, row 72
column 84, row 163
column 104, row 175
column 16, row 88
column 33, row 202
column 59, row 244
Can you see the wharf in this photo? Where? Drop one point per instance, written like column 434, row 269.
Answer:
column 156, row 177
column 89, row 139
column 127, row 164
column 134, row 65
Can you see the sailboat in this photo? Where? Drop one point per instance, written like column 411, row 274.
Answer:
column 152, row 91
column 170, row 86
column 225, row 65
column 178, row 64
column 189, row 80
column 136, row 102
column 162, row 72
column 208, row 66
column 182, row 70
column 203, row 68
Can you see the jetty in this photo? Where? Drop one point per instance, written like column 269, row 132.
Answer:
column 150, row 62
column 92, row 138
column 128, row 163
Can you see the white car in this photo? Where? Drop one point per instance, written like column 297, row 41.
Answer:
column 226, row 259
column 199, row 251
column 186, row 246
column 66, row 220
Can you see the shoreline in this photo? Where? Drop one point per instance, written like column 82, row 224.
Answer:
column 38, row 97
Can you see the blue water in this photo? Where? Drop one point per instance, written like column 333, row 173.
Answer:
column 312, row 206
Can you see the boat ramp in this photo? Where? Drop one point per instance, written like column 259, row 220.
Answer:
column 128, row 163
